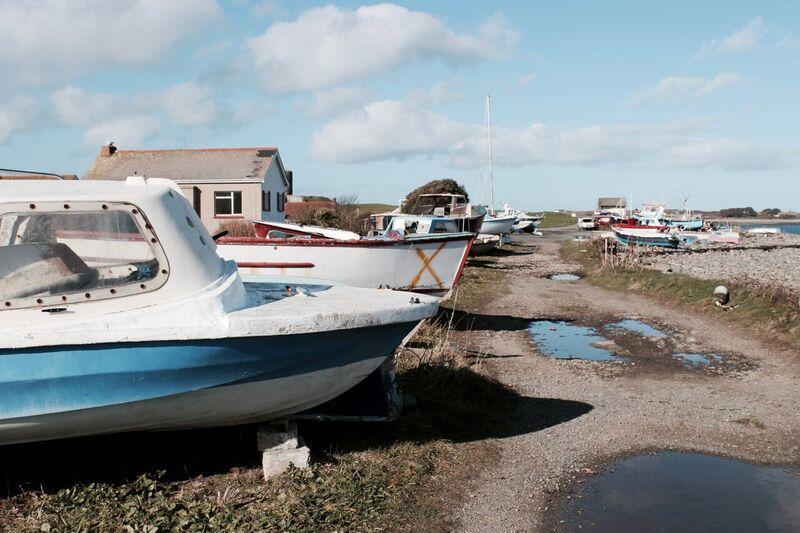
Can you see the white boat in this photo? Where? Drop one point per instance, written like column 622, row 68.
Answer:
column 117, row 314
column 484, row 244
column 497, row 224
column 468, row 217
column 764, row 231
column 420, row 262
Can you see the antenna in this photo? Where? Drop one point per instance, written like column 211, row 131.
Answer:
column 59, row 176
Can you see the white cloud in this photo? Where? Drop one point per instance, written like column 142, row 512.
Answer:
column 397, row 130
column 326, row 102
column 327, row 46
column 16, row 114
column 40, row 36
column 385, row 130
column 190, row 104
column 526, row 79
column 739, row 41
column 683, row 87
column 129, row 131
column 438, row 93
column 75, row 107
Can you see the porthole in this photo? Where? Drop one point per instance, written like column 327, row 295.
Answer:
column 189, row 221
column 202, row 240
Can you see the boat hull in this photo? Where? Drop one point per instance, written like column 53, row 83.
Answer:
column 61, row 392
column 427, row 264
column 646, row 238
column 497, row 226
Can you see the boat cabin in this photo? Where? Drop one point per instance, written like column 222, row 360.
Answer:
column 440, row 205
column 422, row 225
column 99, row 246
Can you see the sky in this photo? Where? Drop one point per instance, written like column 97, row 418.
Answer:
column 662, row 101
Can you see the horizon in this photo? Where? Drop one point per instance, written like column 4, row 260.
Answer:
column 657, row 102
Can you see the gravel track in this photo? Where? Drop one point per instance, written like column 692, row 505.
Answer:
column 576, row 416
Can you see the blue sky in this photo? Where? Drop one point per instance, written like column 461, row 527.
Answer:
column 660, row 101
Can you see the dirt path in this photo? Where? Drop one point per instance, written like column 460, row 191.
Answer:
column 578, row 415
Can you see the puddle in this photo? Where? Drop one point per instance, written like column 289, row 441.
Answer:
column 564, row 277
column 637, row 326
column 694, row 360
column 686, row 492
column 562, row 340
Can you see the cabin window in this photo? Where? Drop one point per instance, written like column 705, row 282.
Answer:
column 69, row 253
column 228, row 203
column 266, row 200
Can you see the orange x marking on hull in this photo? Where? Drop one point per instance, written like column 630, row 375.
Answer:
column 426, row 265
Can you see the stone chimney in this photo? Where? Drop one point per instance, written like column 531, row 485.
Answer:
column 107, row 150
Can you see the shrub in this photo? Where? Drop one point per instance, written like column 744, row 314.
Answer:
column 444, row 186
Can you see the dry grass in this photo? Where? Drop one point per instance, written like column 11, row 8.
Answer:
column 770, row 308
column 238, row 228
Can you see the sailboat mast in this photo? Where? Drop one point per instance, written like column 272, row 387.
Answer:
column 489, row 136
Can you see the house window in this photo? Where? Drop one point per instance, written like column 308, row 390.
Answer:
column 228, row 203
column 266, row 200
column 281, row 199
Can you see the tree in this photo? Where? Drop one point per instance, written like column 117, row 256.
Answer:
column 443, row 186
column 738, row 212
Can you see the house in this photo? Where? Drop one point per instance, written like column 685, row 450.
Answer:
column 298, row 207
column 222, row 184
column 614, row 205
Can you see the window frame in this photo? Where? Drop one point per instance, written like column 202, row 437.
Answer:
column 232, row 198
column 131, row 288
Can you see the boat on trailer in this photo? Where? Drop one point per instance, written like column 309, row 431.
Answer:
column 429, row 263
column 117, row 314
column 629, row 234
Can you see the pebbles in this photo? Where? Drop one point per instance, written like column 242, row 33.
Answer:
column 780, row 265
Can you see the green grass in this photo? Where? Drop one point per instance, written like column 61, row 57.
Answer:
column 768, row 309
column 556, row 220
column 374, row 208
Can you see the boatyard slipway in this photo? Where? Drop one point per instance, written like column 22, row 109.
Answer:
column 742, row 407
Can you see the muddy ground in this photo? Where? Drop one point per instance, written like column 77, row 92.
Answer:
column 576, row 416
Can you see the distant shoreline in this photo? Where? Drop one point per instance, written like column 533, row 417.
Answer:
column 750, row 221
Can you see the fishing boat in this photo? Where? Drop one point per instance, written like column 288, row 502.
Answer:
column 646, row 237
column 117, row 314
column 425, row 260
column 468, row 217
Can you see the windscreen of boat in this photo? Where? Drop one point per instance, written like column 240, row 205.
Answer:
column 53, row 255
column 428, row 205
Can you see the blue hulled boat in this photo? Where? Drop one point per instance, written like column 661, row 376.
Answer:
column 117, row 314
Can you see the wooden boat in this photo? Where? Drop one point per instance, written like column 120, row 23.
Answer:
column 419, row 262
column 117, row 314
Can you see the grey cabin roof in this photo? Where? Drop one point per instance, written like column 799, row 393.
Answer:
column 205, row 165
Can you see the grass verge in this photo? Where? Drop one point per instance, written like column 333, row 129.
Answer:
column 556, row 220
column 767, row 308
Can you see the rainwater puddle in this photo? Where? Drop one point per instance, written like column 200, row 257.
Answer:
column 637, row 326
column 686, row 492
column 564, row 277
column 562, row 340
column 694, row 360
